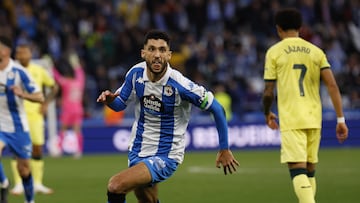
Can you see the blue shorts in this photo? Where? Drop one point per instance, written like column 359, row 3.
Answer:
column 160, row 167
column 19, row 143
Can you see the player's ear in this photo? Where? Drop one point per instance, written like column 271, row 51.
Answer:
column 169, row 54
column 142, row 53
column 279, row 30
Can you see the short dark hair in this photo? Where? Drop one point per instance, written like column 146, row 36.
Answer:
column 157, row 34
column 288, row 19
column 6, row 41
column 23, row 42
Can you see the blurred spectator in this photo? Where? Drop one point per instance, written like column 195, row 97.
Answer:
column 224, row 99
column 213, row 39
column 112, row 117
column 26, row 20
column 349, row 80
column 71, row 83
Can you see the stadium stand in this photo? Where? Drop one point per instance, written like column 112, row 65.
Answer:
column 214, row 41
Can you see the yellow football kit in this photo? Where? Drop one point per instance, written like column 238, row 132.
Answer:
column 33, row 110
column 295, row 65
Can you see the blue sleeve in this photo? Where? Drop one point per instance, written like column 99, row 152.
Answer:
column 28, row 82
column 120, row 102
column 221, row 124
column 117, row 105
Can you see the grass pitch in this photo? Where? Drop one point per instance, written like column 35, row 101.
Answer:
column 260, row 178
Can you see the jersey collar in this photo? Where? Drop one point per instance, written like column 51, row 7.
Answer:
column 9, row 66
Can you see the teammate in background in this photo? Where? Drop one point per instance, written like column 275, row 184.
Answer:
column 296, row 67
column 72, row 84
column 14, row 129
column 163, row 99
column 223, row 98
column 35, row 113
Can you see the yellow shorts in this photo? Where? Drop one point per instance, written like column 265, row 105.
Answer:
column 300, row 145
column 37, row 132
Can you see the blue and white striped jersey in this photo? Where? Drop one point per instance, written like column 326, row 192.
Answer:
column 162, row 110
column 12, row 113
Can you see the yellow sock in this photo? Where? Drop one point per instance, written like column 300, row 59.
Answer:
column 17, row 178
column 303, row 189
column 37, row 170
column 312, row 181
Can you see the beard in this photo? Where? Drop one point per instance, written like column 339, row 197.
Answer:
column 156, row 67
column 24, row 63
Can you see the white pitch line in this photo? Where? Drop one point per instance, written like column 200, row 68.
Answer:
column 213, row 170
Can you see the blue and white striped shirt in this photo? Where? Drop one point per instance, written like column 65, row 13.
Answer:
column 12, row 114
column 162, row 110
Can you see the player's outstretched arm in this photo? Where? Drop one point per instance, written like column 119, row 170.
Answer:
column 112, row 100
column 34, row 97
column 224, row 157
column 107, row 97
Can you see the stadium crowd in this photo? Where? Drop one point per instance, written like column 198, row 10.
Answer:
column 213, row 41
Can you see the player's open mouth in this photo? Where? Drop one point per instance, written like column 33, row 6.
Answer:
column 156, row 64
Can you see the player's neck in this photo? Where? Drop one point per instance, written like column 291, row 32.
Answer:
column 25, row 65
column 289, row 34
column 154, row 77
column 4, row 63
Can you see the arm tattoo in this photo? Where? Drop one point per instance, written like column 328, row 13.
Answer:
column 268, row 97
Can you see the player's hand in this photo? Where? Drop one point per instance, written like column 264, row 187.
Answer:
column 271, row 121
column 226, row 159
column 341, row 132
column 43, row 108
column 18, row 91
column 106, row 97
column 74, row 61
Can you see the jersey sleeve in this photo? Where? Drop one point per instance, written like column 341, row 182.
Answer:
column 194, row 93
column 270, row 66
column 58, row 77
column 28, row 82
column 126, row 90
column 79, row 74
column 324, row 63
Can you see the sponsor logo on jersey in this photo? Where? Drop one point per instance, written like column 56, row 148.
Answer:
column 152, row 104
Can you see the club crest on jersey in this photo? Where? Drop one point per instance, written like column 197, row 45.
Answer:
column 152, row 104
column 168, row 91
column 11, row 75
